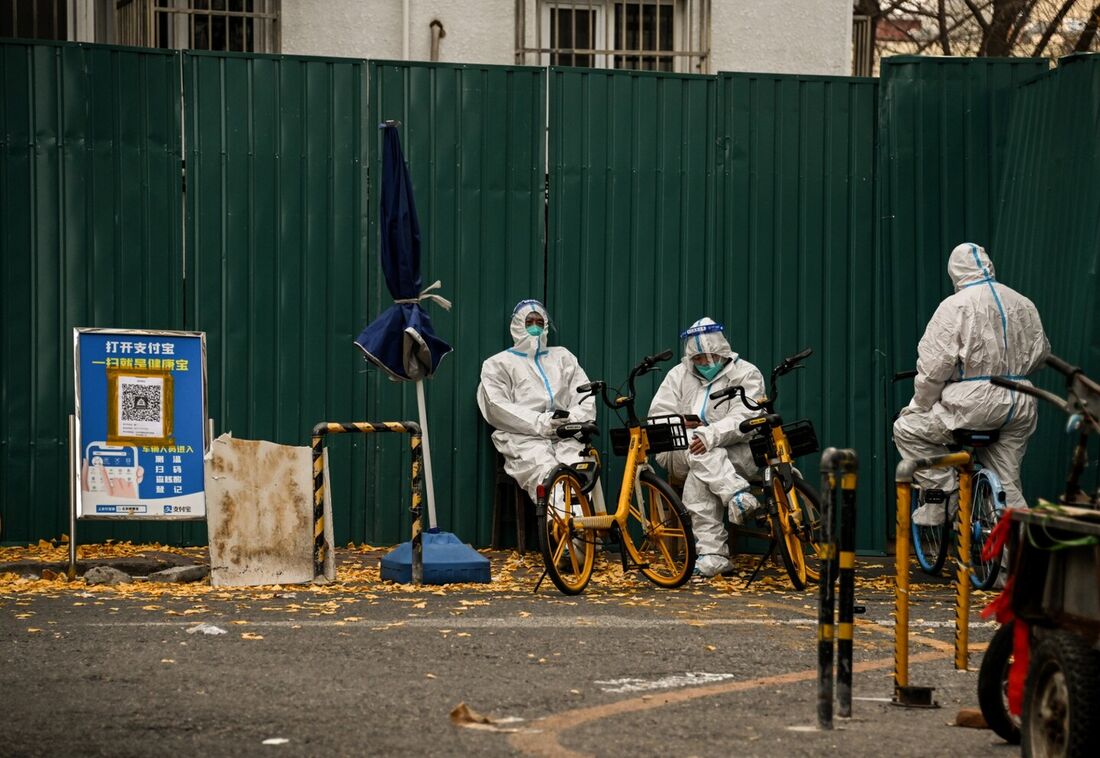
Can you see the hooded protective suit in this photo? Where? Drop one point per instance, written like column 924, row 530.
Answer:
column 985, row 329
column 717, row 478
column 520, row 389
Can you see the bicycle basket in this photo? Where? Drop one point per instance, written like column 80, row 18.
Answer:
column 800, row 435
column 665, row 433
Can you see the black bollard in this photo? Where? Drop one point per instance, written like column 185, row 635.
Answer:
column 838, row 477
column 847, row 581
column 825, row 606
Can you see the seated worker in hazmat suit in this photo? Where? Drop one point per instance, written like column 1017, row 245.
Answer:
column 985, row 329
column 526, row 393
column 716, row 466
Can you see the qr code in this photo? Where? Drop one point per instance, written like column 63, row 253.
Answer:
column 141, row 402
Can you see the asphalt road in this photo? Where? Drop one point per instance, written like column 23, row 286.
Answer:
column 363, row 668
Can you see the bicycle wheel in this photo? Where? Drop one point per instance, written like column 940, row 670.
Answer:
column 930, row 543
column 985, row 512
column 810, row 526
column 568, row 554
column 660, row 528
column 787, row 534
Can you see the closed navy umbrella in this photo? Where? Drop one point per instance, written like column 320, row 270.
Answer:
column 402, row 341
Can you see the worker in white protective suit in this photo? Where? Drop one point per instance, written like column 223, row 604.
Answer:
column 985, row 329
column 526, row 393
column 716, row 467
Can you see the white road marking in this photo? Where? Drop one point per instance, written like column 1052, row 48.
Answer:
column 687, row 679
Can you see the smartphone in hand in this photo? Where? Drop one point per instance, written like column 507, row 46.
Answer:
column 560, row 414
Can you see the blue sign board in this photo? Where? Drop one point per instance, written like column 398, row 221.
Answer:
column 140, row 424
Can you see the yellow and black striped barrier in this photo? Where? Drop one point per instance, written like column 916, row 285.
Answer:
column 846, row 462
column 904, row 694
column 320, row 432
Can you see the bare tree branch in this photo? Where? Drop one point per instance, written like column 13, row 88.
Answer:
column 1052, row 27
column 1088, row 35
column 978, row 15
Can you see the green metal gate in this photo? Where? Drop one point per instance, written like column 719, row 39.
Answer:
column 1048, row 239
column 473, row 140
column 89, row 236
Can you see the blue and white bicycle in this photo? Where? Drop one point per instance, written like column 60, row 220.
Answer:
column 932, row 544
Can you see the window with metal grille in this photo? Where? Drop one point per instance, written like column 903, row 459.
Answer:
column 34, row 19
column 650, row 35
column 250, row 26
column 863, row 47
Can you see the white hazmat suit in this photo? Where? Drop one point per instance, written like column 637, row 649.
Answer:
column 520, row 389
column 718, row 478
column 985, row 329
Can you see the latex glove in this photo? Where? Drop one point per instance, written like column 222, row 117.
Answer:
column 547, row 426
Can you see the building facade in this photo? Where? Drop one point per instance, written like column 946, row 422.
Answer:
column 684, row 36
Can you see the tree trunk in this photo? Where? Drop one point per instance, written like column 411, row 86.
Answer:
column 941, row 24
column 997, row 42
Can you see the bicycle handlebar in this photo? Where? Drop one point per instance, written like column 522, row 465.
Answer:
column 909, row 374
column 1027, row 389
column 1061, row 366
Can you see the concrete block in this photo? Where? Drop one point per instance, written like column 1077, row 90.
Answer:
column 180, row 574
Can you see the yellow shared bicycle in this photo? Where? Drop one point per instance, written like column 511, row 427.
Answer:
column 650, row 524
column 791, row 506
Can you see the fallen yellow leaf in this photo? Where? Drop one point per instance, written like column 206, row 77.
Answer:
column 32, row 630
column 251, row 636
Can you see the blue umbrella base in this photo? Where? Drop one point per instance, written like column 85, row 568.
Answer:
column 447, row 560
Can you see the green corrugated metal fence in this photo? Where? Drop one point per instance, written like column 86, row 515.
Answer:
column 89, row 236
column 473, row 140
column 277, row 266
column 632, row 202
column 943, row 127
column 796, row 260
column 1048, row 238
column 754, row 199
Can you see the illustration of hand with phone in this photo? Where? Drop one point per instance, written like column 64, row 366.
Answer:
column 111, row 469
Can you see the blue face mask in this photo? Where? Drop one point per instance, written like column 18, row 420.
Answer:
column 535, row 330
column 708, row 370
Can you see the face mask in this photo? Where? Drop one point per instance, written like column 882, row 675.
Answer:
column 708, row 370
column 534, row 330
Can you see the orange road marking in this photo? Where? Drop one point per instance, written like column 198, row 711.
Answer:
column 544, row 742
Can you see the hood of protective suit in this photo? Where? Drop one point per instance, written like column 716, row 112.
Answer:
column 969, row 264
column 704, row 336
column 520, row 338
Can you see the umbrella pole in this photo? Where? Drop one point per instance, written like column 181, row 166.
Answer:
column 422, row 407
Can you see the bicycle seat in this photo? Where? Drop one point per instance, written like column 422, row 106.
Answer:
column 975, row 437
column 580, row 431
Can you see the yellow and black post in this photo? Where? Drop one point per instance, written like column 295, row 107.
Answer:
column 962, row 570
column 846, row 583
column 846, row 462
column 904, row 694
column 320, row 432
